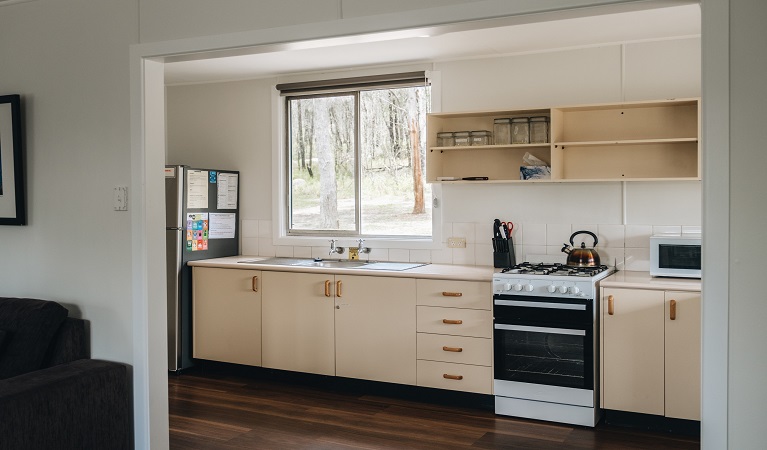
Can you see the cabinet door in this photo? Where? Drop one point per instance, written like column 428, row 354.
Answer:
column 297, row 322
column 632, row 350
column 683, row 355
column 375, row 328
column 226, row 311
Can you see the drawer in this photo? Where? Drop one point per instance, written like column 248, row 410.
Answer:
column 454, row 321
column 455, row 349
column 455, row 294
column 455, row 377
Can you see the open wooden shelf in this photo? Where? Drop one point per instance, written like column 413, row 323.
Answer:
column 636, row 141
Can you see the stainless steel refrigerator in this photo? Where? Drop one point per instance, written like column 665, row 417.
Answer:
column 202, row 218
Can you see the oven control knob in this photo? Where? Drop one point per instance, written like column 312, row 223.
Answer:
column 574, row 290
column 517, row 287
column 552, row 289
column 529, row 288
column 563, row 289
column 507, row 287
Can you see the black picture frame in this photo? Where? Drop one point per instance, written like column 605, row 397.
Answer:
column 12, row 186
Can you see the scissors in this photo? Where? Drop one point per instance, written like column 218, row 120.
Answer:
column 506, row 229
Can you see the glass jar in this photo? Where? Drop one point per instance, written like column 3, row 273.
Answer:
column 445, row 139
column 520, row 130
column 502, row 131
column 481, row 137
column 462, row 138
column 539, row 130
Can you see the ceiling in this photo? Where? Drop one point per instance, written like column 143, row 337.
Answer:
column 436, row 45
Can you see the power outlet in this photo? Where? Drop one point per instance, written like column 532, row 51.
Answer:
column 456, row 242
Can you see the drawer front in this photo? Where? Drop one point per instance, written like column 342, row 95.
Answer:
column 455, row 349
column 455, row 294
column 455, row 321
column 455, row 377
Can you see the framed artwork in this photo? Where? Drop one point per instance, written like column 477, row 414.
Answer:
column 12, row 196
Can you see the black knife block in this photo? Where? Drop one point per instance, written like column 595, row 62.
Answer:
column 503, row 256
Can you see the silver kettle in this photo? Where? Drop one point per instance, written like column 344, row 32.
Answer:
column 581, row 257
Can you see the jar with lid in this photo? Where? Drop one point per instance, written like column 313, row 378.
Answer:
column 462, row 138
column 520, row 130
column 445, row 139
column 502, row 131
column 481, row 137
column 539, row 130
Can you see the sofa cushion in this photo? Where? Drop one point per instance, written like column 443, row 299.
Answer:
column 29, row 326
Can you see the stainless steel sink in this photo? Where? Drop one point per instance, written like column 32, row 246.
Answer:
column 334, row 263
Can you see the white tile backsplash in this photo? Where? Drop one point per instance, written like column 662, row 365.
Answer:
column 377, row 254
column 691, row 229
column 464, row 256
column 637, row 259
column 447, row 231
column 483, row 254
column 266, row 248
column 265, row 228
column 442, row 256
column 611, row 235
column 666, row 229
column 302, row 252
column 284, row 251
column 638, row 236
column 399, row 254
column 557, row 234
column 249, row 229
column 249, row 246
column 421, row 256
column 532, row 233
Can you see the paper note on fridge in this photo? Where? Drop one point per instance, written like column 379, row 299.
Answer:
column 227, row 190
column 197, row 189
column 222, row 225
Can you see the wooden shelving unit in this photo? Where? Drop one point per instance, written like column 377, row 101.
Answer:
column 638, row 141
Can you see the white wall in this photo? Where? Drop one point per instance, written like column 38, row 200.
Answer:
column 68, row 60
column 229, row 125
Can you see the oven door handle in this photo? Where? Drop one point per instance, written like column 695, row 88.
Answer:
column 549, row 305
column 540, row 329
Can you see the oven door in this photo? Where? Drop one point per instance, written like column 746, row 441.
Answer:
column 544, row 341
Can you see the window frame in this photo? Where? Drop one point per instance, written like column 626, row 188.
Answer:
column 282, row 186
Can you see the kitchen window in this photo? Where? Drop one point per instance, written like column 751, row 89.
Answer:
column 356, row 157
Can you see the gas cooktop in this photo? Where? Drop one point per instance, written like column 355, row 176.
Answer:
column 555, row 269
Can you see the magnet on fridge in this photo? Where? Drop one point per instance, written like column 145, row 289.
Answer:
column 212, row 175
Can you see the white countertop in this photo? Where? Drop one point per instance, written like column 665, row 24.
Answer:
column 433, row 271
column 643, row 280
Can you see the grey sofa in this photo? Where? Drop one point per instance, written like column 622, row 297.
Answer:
column 52, row 396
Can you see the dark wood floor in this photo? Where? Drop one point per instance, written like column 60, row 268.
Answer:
column 215, row 410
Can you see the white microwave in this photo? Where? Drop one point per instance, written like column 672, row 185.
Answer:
column 675, row 255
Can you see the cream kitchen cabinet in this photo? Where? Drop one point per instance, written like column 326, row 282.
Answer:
column 298, row 332
column 650, row 352
column 346, row 325
column 455, row 328
column 226, row 313
column 376, row 328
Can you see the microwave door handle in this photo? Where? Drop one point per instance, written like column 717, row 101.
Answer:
column 549, row 305
column 540, row 329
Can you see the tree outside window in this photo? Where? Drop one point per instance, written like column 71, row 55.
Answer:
column 357, row 162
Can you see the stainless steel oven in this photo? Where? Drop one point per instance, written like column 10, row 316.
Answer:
column 545, row 351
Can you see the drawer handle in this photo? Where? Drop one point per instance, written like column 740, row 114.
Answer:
column 672, row 310
column 452, row 349
column 254, row 284
column 327, row 288
column 338, row 288
column 452, row 322
column 610, row 307
column 452, row 294
column 452, row 377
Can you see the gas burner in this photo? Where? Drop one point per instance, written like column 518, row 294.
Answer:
column 555, row 269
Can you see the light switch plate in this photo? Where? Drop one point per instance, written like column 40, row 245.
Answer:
column 120, row 198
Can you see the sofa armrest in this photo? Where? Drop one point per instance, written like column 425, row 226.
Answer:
column 84, row 404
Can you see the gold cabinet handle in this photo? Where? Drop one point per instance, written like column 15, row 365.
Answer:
column 452, row 349
column 452, row 322
column 338, row 288
column 254, row 284
column 610, row 305
column 672, row 310
column 327, row 288
column 452, row 377
column 452, row 294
